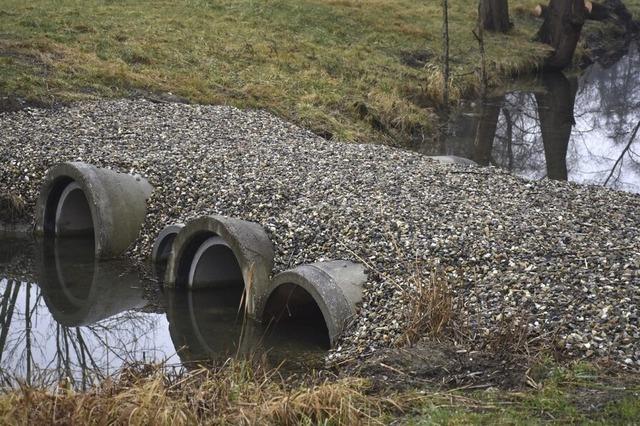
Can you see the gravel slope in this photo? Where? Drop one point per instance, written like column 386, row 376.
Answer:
column 562, row 258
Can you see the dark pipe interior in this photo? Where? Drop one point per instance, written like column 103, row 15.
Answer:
column 162, row 256
column 73, row 217
column 51, row 205
column 184, row 262
column 218, row 269
column 292, row 307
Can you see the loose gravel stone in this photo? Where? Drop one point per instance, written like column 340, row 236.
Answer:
column 562, row 258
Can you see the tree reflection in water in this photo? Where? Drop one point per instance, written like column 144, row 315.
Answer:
column 75, row 325
column 563, row 128
column 65, row 318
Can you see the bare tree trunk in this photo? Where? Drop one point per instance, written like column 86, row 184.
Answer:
column 445, row 41
column 555, row 109
column 483, row 60
column 486, row 131
column 561, row 30
column 509, row 121
column 624, row 151
column 494, row 15
column 27, row 319
column 8, row 313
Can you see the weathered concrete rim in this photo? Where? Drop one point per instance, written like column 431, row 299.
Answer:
column 335, row 286
column 117, row 202
column 248, row 241
column 165, row 240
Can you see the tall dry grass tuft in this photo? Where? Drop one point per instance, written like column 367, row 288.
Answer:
column 430, row 307
column 238, row 392
column 12, row 208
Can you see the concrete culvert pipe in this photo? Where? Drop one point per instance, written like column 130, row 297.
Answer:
column 453, row 159
column 218, row 251
column 332, row 289
column 161, row 250
column 78, row 198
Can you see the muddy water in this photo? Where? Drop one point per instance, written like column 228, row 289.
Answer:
column 557, row 126
column 64, row 316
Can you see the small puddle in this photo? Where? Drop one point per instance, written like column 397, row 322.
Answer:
column 558, row 127
column 65, row 316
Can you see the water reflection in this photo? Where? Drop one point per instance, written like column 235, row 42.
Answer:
column 559, row 127
column 208, row 325
column 78, row 290
column 65, row 317
column 75, row 325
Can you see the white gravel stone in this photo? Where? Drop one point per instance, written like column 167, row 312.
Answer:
column 562, row 258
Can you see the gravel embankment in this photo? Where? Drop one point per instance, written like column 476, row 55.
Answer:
column 564, row 258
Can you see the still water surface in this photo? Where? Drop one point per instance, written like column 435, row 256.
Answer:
column 65, row 316
column 558, row 126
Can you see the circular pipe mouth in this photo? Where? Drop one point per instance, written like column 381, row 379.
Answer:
column 291, row 306
column 73, row 214
column 214, row 266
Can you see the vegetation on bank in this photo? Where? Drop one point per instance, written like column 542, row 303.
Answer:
column 243, row 393
column 353, row 70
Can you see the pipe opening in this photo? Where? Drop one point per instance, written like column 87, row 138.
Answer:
column 162, row 256
column 67, row 212
column 291, row 310
column 208, row 262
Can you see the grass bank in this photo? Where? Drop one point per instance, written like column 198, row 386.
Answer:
column 242, row 393
column 353, row 70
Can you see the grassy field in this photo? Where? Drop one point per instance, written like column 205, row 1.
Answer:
column 355, row 70
column 241, row 393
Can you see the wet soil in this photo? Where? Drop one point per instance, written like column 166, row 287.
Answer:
column 434, row 364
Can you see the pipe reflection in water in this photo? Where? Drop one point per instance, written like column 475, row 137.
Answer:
column 79, row 290
column 66, row 317
column 209, row 326
column 76, row 325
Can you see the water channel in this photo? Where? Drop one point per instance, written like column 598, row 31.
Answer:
column 557, row 126
column 65, row 316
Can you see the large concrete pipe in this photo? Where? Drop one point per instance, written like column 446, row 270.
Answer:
column 161, row 250
column 332, row 289
column 221, row 252
column 79, row 290
column 79, row 199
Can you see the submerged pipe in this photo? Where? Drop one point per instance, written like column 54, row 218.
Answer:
column 80, row 199
column 79, row 290
column 161, row 251
column 452, row 159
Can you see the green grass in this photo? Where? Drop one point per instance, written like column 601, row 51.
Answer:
column 333, row 66
column 577, row 394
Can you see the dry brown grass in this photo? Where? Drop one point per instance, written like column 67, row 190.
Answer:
column 235, row 393
column 12, row 208
column 430, row 310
